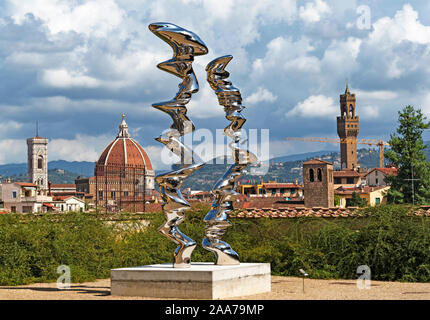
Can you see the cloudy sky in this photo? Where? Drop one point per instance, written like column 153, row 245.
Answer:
column 76, row 66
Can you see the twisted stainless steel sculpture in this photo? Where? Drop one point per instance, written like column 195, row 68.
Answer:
column 185, row 45
column 224, row 189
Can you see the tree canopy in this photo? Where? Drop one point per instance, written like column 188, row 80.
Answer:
column 407, row 155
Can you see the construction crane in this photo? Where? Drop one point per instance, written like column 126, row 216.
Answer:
column 370, row 142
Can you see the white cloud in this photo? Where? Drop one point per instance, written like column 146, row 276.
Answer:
column 81, row 148
column 318, row 106
column 261, row 95
column 405, row 26
column 204, row 104
column 284, row 54
column 96, row 18
column 314, row 11
column 9, row 127
column 400, row 46
column 62, row 78
column 369, row 112
column 376, row 95
column 425, row 106
column 16, row 151
column 340, row 57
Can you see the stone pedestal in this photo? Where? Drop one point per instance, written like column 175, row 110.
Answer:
column 200, row 281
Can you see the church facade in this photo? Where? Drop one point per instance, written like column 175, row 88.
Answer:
column 123, row 176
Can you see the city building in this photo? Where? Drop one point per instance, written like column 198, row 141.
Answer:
column 373, row 195
column 318, row 183
column 347, row 178
column 347, row 129
column 376, row 176
column 68, row 203
column 25, row 197
column 123, row 176
column 272, row 189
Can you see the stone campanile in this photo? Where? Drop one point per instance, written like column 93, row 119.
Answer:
column 38, row 161
column 347, row 129
column 318, row 183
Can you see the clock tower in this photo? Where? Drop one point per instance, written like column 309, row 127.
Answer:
column 347, row 129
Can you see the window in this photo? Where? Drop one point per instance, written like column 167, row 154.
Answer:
column 376, row 180
column 14, row 194
column 378, row 200
column 319, row 173
column 337, row 180
column 349, row 180
column 13, row 209
column 125, row 193
column 112, row 194
column 100, row 194
column 311, row 175
column 40, row 162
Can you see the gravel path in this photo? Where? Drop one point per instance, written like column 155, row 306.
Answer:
column 284, row 288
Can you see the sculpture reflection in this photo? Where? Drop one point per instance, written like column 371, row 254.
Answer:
column 224, row 190
column 185, row 45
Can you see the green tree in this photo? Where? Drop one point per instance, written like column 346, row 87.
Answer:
column 336, row 200
column 406, row 153
column 357, row 201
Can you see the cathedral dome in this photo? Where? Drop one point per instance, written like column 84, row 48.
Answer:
column 124, row 151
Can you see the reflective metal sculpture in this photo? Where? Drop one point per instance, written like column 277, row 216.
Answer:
column 185, row 45
column 224, row 189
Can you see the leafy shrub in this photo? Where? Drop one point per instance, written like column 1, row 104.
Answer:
column 394, row 245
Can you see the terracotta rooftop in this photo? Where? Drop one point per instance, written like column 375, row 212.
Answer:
column 317, row 161
column 63, row 185
column 386, row 171
column 60, row 198
column 364, row 189
column 294, row 212
column 281, row 185
column 298, row 212
column 125, row 151
column 345, row 173
column 25, row 184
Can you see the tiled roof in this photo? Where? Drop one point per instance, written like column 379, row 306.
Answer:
column 386, row 171
column 281, row 185
column 61, row 198
column 295, row 212
column 124, row 151
column 25, row 184
column 63, row 185
column 364, row 189
column 345, row 173
column 316, row 161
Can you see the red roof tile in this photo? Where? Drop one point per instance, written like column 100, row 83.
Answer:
column 345, row 173
column 317, row 161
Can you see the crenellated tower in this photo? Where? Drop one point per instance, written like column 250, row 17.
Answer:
column 347, row 129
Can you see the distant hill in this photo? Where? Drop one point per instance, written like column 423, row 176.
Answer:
column 301, row 156
column 282, row 169
column 82, row 168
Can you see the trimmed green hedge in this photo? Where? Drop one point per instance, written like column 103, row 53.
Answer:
column 395, row 246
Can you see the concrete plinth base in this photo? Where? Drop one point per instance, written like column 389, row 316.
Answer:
column 200, row 281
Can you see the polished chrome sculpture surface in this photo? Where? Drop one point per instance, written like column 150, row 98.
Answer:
column 224, row 189
column 185, row 45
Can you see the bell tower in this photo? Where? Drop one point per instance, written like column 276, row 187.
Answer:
column 37, row 151
column 347, row 129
